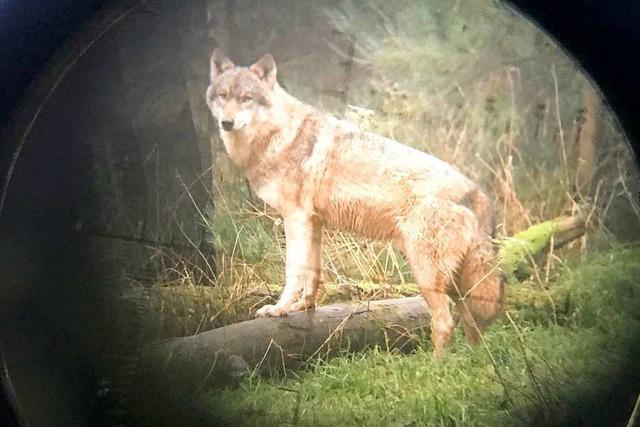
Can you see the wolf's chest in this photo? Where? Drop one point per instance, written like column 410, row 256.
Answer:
column 270, row 193
column 282, row 195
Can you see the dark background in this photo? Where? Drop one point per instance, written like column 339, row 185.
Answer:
column 602, row 35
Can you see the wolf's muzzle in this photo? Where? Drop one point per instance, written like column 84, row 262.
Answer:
column 227, row 125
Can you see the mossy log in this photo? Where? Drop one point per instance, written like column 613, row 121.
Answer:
column 276, row 344
column 519, row 253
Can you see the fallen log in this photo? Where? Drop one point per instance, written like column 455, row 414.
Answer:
column 271, row 345
column 518, row 254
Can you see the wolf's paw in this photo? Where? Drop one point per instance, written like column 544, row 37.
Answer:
column 271, row 311
column 302, row 305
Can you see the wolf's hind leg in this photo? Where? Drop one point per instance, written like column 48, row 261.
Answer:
column 303, row 235
column 441, row 321
column 435, row 240
column 432, row 283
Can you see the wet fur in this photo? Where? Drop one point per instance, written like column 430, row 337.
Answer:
column 318, row 171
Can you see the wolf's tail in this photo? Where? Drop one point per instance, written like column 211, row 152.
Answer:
column 480, row 293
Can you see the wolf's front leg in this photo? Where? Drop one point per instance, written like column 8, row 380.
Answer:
column 303, row 233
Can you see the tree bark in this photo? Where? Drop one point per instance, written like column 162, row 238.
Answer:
column 587, row 139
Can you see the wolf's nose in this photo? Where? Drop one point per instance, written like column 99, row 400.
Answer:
column 227, row 124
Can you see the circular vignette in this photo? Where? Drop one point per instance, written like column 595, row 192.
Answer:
column 59, row 250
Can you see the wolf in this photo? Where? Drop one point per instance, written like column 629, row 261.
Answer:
column 319, row 171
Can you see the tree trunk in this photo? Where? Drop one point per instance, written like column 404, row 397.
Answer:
column 587, row 139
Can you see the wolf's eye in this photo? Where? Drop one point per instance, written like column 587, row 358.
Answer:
column 247, row 98
column 222, row 95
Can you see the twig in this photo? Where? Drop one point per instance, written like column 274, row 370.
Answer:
column 634, row 414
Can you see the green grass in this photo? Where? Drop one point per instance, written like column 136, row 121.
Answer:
column 559, row 350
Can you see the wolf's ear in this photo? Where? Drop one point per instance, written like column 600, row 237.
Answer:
column 265, row 69
column 219, row 63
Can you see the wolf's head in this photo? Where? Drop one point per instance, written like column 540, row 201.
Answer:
column 239, row 96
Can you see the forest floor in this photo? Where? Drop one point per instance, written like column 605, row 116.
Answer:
column 547, row 361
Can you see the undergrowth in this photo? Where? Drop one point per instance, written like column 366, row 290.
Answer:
column 552, row 352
